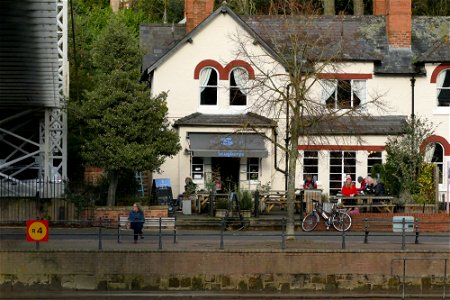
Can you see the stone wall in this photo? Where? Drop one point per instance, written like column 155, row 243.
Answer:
column 271, row 270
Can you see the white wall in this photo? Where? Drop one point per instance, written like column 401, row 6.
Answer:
column 218, row 41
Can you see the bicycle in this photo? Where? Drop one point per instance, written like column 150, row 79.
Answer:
column 339, row 218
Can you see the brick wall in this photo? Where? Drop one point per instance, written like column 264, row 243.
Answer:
column 436, row 222
column 113, row 214
column 256, row 271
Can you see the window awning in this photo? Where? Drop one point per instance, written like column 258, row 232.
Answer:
column 227, row 145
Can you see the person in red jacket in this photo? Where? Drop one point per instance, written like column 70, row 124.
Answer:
column 349, row 188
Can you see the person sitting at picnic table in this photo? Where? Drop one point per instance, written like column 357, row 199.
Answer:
column 309, row 183
column 362, row 184
column 378, row 188
column 349, row 188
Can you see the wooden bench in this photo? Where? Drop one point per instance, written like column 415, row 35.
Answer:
column 162, row 223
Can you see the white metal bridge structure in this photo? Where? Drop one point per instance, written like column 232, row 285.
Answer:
column 34, row 84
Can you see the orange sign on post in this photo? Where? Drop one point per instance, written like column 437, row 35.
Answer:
column 37, row 230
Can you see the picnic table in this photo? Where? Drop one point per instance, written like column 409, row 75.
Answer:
column 368, row 203
column 278, row 198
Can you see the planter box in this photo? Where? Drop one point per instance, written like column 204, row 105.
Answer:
column 246, row 213
column 220, row 213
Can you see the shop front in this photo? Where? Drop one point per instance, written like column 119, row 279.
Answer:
column 226, row 160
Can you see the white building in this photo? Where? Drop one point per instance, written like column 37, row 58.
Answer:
column 206, row 74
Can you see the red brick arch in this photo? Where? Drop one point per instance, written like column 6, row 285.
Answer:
column 224, row 72
column 438, row 70
column 437, row 139
column 242, row 64
column 210, row 63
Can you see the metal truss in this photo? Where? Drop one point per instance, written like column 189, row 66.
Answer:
column 35, row 138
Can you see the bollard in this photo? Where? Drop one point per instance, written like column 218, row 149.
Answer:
column 417, row 232
column 118, row 229
column 366, row 230
column 403, row 233
column 175, row 232
column 445, row 277
column 100, row 245
column 283, row 234
column 343, row 238
column 160, row 234
column 222, row 229
column 256, row 204
column 404, row 278
column 212, row 201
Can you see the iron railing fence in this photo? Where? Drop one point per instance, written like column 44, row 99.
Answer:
column 35, row 188
column 223, row 231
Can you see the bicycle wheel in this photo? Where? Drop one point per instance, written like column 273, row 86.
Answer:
column 342, row 221
column 310, row 221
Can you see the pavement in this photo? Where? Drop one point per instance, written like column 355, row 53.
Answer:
column 200, row 232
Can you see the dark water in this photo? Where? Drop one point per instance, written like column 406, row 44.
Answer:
column 127, row 295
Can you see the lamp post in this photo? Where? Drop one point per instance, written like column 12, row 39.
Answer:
column 413, row 84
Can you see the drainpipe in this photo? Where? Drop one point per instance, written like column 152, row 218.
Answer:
column 275, row 154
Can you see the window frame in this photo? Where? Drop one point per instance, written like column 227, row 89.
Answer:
column 337, row 83
column 311, row 163
column 253, row 174
column 373, row 160
column 338, row 171
column 202, row 88
column 439, row 89
column 235, row 88
column 197, row 168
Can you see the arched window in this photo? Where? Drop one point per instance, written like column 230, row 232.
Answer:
column 443, row 87
column 208, row 86
column 238, row 86
column 435, row 154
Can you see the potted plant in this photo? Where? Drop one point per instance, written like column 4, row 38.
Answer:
column 246, row 203
column 221, row 207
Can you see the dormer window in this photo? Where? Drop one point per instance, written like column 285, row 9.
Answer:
column 344, row 94
column 238, row 83
column 443, row 88
column 208, row 86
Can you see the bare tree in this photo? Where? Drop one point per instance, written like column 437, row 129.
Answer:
column 288, row 85
column 358, row 7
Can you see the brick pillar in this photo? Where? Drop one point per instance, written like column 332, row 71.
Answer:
column 196, row 11
column 379, row 7
column 398, row 23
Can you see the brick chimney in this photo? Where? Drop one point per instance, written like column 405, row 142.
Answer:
column 398, row 21
column 196, row 11
column 379, row 7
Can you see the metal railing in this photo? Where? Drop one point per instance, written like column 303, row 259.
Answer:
column 35, row 188
column 224, row 229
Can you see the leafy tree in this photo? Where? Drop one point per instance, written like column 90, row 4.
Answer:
column 125, row 128
column 405, row 160
column 288, row 91
column 431, row 7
